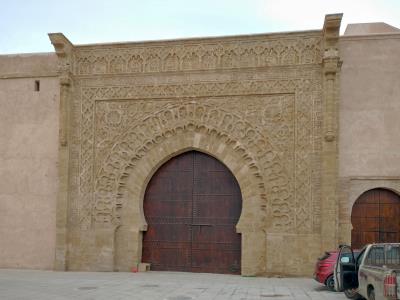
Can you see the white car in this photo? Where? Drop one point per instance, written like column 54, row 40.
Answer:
column 374, row 274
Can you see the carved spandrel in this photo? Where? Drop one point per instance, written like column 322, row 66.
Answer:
column 274, row 115
column 276, row 110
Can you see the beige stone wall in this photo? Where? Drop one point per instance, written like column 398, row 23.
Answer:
column 369, row 143
column 28, row 160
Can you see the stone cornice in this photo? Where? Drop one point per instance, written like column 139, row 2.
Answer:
column 331, row 30
column 377, row 36
column 27, row 75
column 61, row 44
column 197, row 40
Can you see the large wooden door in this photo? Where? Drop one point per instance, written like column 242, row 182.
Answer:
column 192, row 204
column 375, row 218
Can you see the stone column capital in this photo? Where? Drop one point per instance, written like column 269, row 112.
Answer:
column 65, row 80
column 331, row 31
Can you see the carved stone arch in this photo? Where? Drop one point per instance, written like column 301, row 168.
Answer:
column 144, row 147
column 190, row 60
column 171, row 62
column 356, row 193
column 117, row 64
column 362, row 190
column 252, row 219
column 289, row 56
column 356, row 188
column 374, row 217
column 257, row 154
column 207, row 142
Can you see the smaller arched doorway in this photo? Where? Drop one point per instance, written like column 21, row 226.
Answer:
column 375, row 218
column 192, row 205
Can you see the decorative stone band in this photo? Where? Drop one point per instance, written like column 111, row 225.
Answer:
column 262, row 51
column 199, row 89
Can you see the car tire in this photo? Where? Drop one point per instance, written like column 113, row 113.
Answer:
column 330, row 283
column 352, row 294
column 371, row 295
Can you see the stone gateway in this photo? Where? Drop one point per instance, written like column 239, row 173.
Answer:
column 265, row 106
column 247, row 154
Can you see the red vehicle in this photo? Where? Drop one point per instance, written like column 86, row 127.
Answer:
column 324, row 268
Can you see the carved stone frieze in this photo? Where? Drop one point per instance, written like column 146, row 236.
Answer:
column 259, row 51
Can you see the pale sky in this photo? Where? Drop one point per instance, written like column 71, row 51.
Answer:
column 24, row 24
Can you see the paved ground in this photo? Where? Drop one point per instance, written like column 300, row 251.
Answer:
column 43, row 285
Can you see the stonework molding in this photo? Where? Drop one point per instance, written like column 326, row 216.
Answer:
column 199, row 89
column 331, row 65
column 64, row 50
column 228, row 53
column 331, row 69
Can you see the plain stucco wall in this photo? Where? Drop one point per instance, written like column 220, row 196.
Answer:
column 28, row 160
column 369, row 134
column 369, row 120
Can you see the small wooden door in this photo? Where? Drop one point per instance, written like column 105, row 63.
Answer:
column 192, row 204
column 375, row 218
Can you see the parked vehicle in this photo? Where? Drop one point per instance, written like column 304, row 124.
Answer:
column 374, row 274
column 324, row 267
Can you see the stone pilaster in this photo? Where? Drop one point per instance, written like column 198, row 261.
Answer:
column 63, row 50
column 329, row 197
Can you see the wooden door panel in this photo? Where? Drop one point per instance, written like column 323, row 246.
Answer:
column 214, row 251
column 365, row 210
column 192, row 205
column 182, row 208
column 370, row 224
column 389, row 214
column 355, row 238
column 370, row 236
column 167, row 256
column 168, row 210
column 205, row 206
column 389, row 237
column 376, row 218
column 217, row 205
column 175, row 232
column 223, row 262
column 388, row 197
column 389, row 224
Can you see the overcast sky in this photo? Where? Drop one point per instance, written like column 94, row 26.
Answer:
column 24, row 24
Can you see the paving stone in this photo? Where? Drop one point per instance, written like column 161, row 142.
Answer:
column 46, row 285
